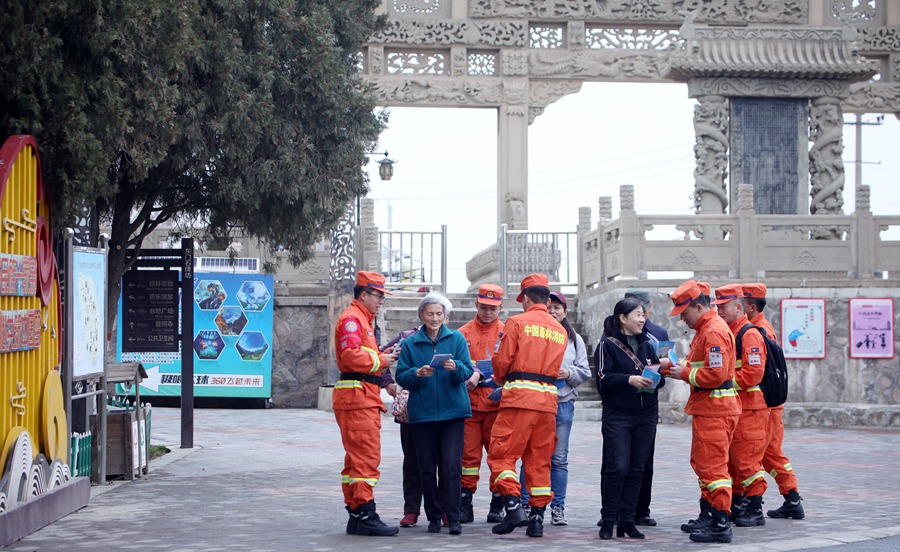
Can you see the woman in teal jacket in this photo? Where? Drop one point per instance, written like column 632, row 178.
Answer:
column 438, row 406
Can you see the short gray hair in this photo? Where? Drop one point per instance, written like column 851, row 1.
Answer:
column 435, row 299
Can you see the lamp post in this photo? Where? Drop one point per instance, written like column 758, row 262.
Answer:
column 385, row 171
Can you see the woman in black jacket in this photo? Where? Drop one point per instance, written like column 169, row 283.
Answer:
column 630, row 414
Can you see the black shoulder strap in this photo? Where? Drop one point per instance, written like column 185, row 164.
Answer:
column 737, row 339
column 627, row 351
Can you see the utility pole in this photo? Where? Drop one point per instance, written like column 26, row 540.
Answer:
column 879, row 120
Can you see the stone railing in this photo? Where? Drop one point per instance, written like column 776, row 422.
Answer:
column 742, row 245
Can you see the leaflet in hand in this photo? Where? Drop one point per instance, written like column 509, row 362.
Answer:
column 664, row 347
column 651, row 372
column 496, row 394
column 485, row 367
column 438, row 359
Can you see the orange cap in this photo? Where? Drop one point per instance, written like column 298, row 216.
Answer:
column 532, row 280
column 756, row 291
column 371, row 280
column 726, row 294
column 683, row 296
column 490, row 294
column 704, row 288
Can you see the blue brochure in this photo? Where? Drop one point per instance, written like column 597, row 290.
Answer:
column 651, row 373
column 438, row 359
column 485, row 367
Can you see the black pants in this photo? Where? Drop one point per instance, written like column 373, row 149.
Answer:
column 627, row 437
column 412, row 483
column 439, row 451
column 644, row 497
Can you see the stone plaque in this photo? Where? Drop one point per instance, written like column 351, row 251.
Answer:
column 769, row 151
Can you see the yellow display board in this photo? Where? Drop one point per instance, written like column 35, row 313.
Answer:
column 31, row 398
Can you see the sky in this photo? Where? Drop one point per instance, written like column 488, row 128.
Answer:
column 582, row 147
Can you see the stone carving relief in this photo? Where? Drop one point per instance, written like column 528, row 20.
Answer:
column 576, row 35
column 874, row 97
column 779, row 88
column 879, row 39
column 863, row 197
column 626, row 197
column 687, row 258
column 471, row 91
column 418, row 7
column 895, row 67
column 632, row 39
column 546, row 36
column 376, row 60
column 517, row 218
column 515, row 63
column 657, row 11
column 343, row 249
column 417, row 63
column 826, row 167
column 604, row 208
column 710, row 150
column 853, row 10
column 482, row 63
column 452, row 32
column 459, row 65
column 595, row 64
column 745, row 197
column 544, row 93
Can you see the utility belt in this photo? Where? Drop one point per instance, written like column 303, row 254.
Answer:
column 726, row 385
column 368, row 378
column 513, row 376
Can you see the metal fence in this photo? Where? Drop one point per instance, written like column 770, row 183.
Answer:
column 414, row 259
column 524, row 252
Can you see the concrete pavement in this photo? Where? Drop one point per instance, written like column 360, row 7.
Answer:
column 269, row 480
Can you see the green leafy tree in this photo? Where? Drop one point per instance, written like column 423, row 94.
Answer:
column 213, row 113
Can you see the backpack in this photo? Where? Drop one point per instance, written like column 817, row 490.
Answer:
column 774, row 384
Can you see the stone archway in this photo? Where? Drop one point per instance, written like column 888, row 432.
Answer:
column 518, row 56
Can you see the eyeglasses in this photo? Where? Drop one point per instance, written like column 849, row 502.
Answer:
column 378, row 296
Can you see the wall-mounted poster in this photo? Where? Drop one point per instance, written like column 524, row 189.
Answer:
column 232, row 342
column 803, row 328
column 871, row 328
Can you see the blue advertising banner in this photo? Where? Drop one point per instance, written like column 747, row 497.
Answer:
column 232, row 342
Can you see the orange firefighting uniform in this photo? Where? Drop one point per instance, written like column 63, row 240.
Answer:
column 534, row 343
column 715, row 412
column 774, row 460
column 483, row 341
column 749, row 442
column 357, row 403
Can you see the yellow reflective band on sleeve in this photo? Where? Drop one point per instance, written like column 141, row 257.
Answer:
column 347, row 480
column 702, row 485
column 754, row 388
column 470, row 471
column 722, row 393
column 738, row 363
column 540, row 491
column 749, row 481
column 788, row 467
column 531, row 386
column 376, row 361
column 507, row 474
column 774, row 473
column 348, row 384
column 692, row 377
column 713, row 486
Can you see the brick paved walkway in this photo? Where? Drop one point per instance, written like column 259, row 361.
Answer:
column 269, row 480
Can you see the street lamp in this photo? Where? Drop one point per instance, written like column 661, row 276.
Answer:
column 385, row 171
column 385, row 166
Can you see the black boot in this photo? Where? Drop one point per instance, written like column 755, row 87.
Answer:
column 717, row 531
column 515, row 516
column 737, row 506
column 466, row 512
column 353, row 522
column 790, row 509
column 536, row 522
column 752, row 515
column 628, row 528
column 369, row 524
column 702, row 521
column 495, row 513
column 606, row 528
